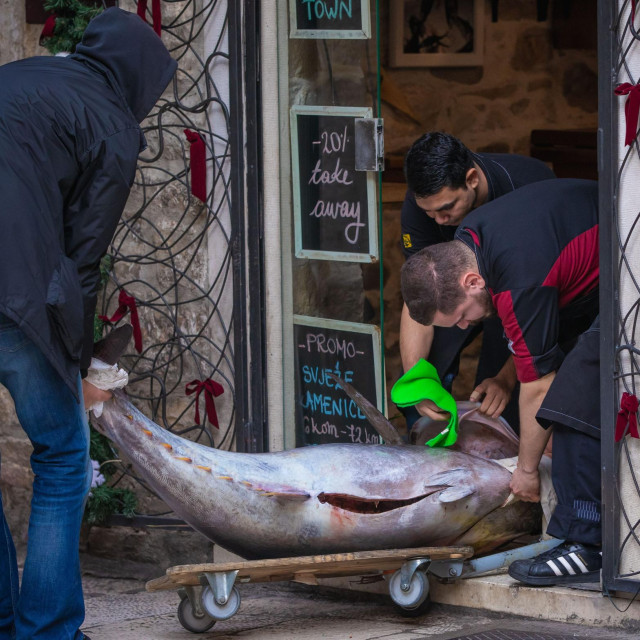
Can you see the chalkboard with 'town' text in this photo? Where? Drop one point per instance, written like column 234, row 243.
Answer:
column 330, row 19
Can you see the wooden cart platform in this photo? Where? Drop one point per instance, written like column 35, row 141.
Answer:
column 219, row 599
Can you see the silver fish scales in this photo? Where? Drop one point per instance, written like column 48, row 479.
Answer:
column 330, row 498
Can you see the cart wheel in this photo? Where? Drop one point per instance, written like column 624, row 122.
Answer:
column 191, row 621
column 220, row 611
column 410, row 601
column 420, row 610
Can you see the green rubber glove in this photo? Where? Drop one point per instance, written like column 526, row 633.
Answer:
column 420, row 383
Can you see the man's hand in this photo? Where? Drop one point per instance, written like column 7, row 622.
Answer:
column 526, row 485
column 431, row 410
column 496, row 394
column 92, row 395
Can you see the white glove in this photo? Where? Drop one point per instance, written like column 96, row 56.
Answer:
column 106, row 377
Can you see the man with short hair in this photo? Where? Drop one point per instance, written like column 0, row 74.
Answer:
column 531, row 258
column 445, row 182
column 69, row 142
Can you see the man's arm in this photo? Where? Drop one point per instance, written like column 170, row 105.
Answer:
column 525, row 483
column 415, row 339
column 415, row 343
column 92, row 213
column 418, row 231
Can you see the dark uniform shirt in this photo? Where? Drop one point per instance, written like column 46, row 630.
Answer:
column 504, row 173
column 537, row 250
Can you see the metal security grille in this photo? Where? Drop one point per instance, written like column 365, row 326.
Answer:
column 181, row 258
column 619, row 160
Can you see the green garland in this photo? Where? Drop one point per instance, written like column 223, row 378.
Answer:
column 72, row 18
column 105, row 500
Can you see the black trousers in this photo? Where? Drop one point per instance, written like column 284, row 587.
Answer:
column 572, row 408
column 576, row 479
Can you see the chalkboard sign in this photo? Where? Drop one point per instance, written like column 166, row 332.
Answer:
column 334, row 205
column 350, row 350
column 330, row 19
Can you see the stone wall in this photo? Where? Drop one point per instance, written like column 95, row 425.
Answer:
column 525, row 83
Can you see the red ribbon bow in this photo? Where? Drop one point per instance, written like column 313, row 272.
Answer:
column 212, row 389
column 197, row 164
column 126, row 303
column 156, row 13
column 631, row 108
column 627, row 416
column 48, row 29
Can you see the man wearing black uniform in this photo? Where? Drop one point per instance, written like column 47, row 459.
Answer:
column 532, row 258
column 446, row 181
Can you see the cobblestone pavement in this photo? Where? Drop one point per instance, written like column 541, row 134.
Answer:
column 120, row 609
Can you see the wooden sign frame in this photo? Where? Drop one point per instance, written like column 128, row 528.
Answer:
column 354, row 327
column 364, row 32
column 370, row 256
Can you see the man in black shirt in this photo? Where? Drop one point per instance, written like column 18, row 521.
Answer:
column 446, row 181
column 531, row 259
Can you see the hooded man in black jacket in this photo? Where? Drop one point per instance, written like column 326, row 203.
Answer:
column 69, row 141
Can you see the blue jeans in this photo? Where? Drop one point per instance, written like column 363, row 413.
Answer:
column 49, row 603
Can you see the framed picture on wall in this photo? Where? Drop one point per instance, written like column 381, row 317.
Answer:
column 436, row 33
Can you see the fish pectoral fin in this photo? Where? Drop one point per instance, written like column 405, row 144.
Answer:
column 453, row 484
column 453, row 494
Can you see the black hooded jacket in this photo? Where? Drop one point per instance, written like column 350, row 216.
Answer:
column 69, row 141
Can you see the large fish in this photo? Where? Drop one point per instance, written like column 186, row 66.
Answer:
column 323, row 499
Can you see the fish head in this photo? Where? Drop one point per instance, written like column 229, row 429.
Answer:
column 478, row 435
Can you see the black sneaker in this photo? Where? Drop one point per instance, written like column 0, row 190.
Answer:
column 567, row 563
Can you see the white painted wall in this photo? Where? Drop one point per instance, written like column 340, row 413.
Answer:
column 628, row 208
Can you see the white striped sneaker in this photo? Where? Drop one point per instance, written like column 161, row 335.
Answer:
column 568, row 563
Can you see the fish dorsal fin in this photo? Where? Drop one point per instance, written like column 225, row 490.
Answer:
column 386, row 430
column 457, row 484
column 110, row 349
column 500, row 426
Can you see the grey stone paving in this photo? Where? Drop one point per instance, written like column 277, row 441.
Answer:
column 119, row 609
